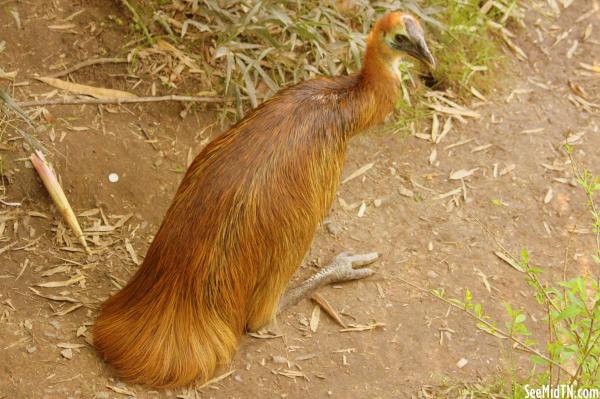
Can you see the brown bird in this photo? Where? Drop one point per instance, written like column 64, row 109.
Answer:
column 244, row 217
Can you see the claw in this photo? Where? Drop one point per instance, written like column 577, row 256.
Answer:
column 343, row 267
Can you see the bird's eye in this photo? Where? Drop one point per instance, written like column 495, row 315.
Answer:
column 400, row 38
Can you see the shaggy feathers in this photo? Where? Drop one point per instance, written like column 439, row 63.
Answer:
column 238, row 228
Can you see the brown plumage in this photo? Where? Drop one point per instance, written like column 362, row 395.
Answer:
column 243, row 218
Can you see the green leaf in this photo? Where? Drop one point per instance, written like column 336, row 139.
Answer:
column 568, row 313
column 525, row 256
column 497, row 202
column 538, row 360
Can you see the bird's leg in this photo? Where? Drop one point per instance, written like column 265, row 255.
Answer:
column 341, row 269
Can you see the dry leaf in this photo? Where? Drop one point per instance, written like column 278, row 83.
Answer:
column 314, row 318
column 485, row 280
column 462, row 173
column 217, row 379
column 67, row 353
column 509, row 260
column 362, row 327
column 477, row 94
column 458, row 144
column 358, row 172
column 54, row 297
column 96, row 92
column 435, row 128
column 67, row 310
column 68, row 345
column 549, row 196
column 406, row 192
column 445, row 130
column 574, row 138
column 456, row 191
column 432, row 156
column 62, row 27
column 291, row 374
column 481, row 148
column 54, row 270
column 65, row 283
column 507, row 169
column 122, row 391
column 454, row 111
column 131, row 252
column 81, row 330
column 8, row 75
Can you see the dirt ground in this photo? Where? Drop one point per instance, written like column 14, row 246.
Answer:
column 433, row 239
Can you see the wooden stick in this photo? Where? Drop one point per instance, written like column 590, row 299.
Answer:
column 326, row 306
column 10, row 103
column 87, row 63
column 129, row 100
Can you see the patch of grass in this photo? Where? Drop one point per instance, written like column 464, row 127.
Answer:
column 569, row 354
column 249, row 49
column 467, row 52
column 483, row 390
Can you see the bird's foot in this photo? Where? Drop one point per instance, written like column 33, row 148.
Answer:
column 346, row 267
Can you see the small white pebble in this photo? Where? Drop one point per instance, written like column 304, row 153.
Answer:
column 362, row 210
column 113, row 177
column 462, row 363
column 432, row 274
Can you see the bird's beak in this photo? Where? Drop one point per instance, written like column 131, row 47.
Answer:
column 419, row 49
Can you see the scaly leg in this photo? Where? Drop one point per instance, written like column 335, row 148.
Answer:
column 339, row 270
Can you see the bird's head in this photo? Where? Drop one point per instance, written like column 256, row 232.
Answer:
column 396, row 35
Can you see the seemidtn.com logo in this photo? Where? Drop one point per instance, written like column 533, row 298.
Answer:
column 561, row 392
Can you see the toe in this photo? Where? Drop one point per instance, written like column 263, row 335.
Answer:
column 357, row 274
column 363, row 259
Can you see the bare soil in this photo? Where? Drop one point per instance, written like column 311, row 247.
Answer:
column 435, row 242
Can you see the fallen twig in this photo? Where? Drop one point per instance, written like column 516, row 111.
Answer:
column 324, row 304
column 10, row 103
column 9, row 203
column 87, row 63
column 97, row 101
column 216, row 379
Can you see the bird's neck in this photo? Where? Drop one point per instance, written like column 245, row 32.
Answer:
column 378, row 87
column 379, row 68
